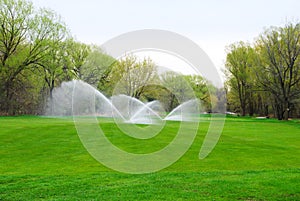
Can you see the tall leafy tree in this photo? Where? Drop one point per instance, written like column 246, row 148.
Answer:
column 130, row 76
column 239, row 67
column 24, row 40
column 200, row 87
column 55, row 66
column 280, row 66
column 178, row 89
column 96, row 69
column 78, row 54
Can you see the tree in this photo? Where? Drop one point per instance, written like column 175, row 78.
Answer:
column 279, row 66
column 178, row 90
column 96, row 69
column 130, row 76
column 78, row 54
column 201, row 88
column 239, row 65
column 24, row 40
column 55, row 66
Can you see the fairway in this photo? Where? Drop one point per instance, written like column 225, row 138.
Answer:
column 255, row 159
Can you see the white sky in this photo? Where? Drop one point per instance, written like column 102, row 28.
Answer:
column 212, row 24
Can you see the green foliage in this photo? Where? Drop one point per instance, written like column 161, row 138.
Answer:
column 177, row 88
column 78, row 54
column 34, row 41
column 267, row 73
column 27, row 37
column 280, row 66
column 262, row 78
column 204, row 91
column 240, row 74
column 96, row 69
column 130, row 76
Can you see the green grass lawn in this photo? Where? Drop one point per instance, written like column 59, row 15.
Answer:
column 255, row 159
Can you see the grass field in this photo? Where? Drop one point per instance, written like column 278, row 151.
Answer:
column 255, row 159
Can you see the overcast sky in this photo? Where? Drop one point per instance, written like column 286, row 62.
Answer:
column 211, row 24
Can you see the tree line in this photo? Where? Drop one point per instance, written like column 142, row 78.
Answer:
column 38, row 53
column 263, row 78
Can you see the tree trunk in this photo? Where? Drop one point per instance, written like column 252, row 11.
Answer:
column 286, row 110
column 266, row 110
column 172, row 102
column 7, row 101
column 51, row 101
column 243, row 107
column 251, row 108
column 280, row 112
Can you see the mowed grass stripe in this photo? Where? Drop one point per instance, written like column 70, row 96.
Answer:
column 43, row 158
